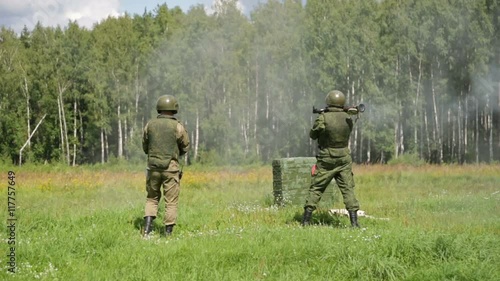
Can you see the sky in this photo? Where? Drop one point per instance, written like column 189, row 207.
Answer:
column 16, row 14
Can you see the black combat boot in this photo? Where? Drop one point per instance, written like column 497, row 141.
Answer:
column 353, row 215
column 148, row 225
column 169, row 229
column 306, row 219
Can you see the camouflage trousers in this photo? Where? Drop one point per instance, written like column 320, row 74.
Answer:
column 328, row 169
column 169, row 181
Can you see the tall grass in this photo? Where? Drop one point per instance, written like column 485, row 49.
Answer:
column 84, row 223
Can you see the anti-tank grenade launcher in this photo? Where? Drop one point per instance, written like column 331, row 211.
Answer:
column 352, row 110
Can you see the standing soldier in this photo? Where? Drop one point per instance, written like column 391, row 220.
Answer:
column 165, row 139
column 332, row 129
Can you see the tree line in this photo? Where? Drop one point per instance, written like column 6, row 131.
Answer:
column 427, row 72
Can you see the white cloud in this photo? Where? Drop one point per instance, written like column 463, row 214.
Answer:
column 216, row 3
column 16, row 14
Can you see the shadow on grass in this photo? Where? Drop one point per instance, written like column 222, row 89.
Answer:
column 321, row 217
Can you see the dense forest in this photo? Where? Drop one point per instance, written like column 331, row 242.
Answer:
column 428, row 72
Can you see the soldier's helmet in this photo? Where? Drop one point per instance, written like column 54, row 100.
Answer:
column 335, row 98
column 167, row 103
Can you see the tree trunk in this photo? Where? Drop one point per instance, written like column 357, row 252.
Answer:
column 369, row 151
column 466, row 126
column 125, row 134
column 106, row 144
column 120, row 134
column 28, row 115
column 459, row 130
column 401, row 140
column 75, row 110
column 428, row 143
column 396, row 139
column 398, row 133
column 28, row 140
column 102, row 146
column 355, row 143
column 498, row 115
column 415, row 109
column 132, row 126
column 452, row 141
column 397, row 122
column 61, row 130
column 437, row 131
column 244, row 128
column 65, row 140
column 137, row 95
column 490, row 135
column 81, row 130
column 268, row 104
column 490, row 127
column 256, row 111
column 476, row 132
column 360, row 150
column 354, row 140
column 197, row 135
column 125, row 130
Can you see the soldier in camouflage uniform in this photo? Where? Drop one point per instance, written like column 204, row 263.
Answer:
column 164, row 140
column 332, row 130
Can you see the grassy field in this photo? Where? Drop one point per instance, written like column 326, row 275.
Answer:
column 84, row 223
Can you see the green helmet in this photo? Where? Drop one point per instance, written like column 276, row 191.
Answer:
column 335, row 98
column 167, row 103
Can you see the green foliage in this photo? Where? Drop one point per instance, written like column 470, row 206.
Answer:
column 409, row 159
column 210, row 158
column 246, row 84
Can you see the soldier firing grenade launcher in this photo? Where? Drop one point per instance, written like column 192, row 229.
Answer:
column 353, row 110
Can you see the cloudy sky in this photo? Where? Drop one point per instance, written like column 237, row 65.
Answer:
column 16, row 14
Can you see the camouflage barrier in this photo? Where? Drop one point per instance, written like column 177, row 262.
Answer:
column 291, row 180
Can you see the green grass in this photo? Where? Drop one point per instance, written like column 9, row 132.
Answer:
column 84, row 224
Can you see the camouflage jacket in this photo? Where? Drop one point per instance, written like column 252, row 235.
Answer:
column 164, row 139
column 332, row 129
